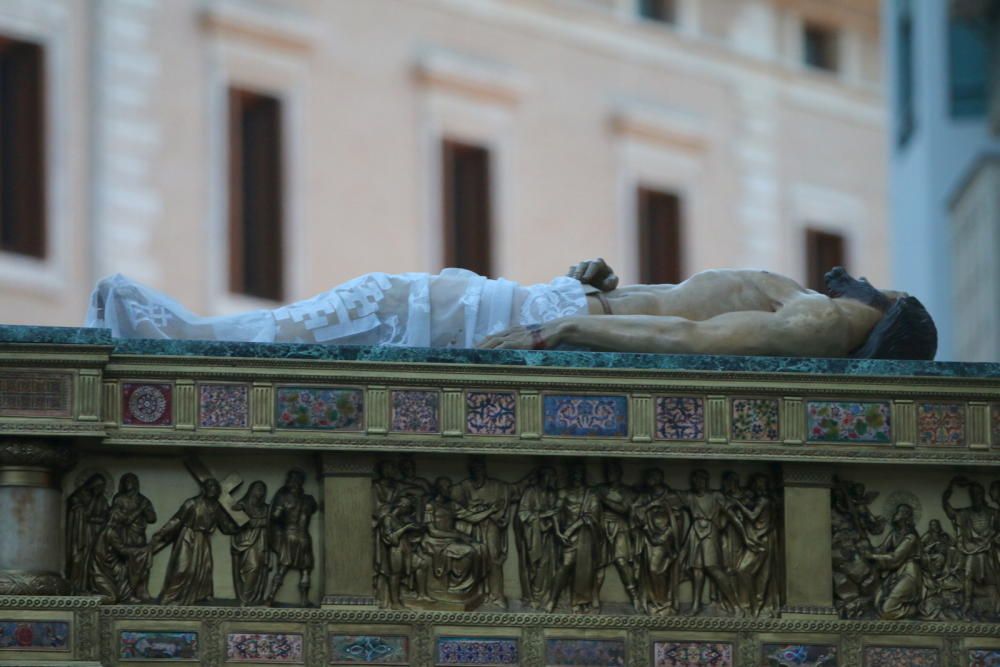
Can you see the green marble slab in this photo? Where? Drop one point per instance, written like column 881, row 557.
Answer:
column 552, row 358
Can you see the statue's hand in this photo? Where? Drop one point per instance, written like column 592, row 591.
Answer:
column 533, row 337
column 595, row 272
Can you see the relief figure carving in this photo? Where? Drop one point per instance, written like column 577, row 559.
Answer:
column 536, row 538
column 86, row 514
column 291, row 511
column 189, row 571
column 934, row 576
column 250, row 547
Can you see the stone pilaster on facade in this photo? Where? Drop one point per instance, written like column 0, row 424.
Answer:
column 807, row 544
column 31, row 548
column 347, row 496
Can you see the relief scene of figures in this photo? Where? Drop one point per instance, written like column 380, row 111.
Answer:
column 108, row 551
column 886, row 567
column 442, row 544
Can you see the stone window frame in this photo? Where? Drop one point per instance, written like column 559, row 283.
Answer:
column 49, row 275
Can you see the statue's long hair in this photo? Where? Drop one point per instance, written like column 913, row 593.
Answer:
column 906, row 331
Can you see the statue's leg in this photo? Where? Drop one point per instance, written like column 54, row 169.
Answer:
column 304, row 587
column 279, row 579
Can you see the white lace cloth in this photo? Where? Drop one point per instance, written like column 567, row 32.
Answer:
column 455, row 308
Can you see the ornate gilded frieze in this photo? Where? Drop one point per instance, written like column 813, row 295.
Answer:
column 442, row 544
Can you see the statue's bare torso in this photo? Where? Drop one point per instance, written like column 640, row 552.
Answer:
column 713, row 312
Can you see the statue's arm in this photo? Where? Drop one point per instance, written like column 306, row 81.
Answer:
column 803, row 332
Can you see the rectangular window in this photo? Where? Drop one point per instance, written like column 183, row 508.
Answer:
column 968, row 65
column 823, row 252
column 22, row 148
column 906, row 116
column 255, row 195
column 660, row 259
column 658, row 10
column 819, row 47
column 467, row 206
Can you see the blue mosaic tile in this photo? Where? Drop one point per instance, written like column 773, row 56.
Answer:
column 267, row 647
column 157, row 645
column 491, row 413
column 324, row 408
column 901, row 656
column 798, row 655
column 369, row 650
column 584, row 415
column 848, row 421
column 572, row 652
column 34, row 635
column 680, row 418
column 692, row 654
column 980, row 657
column 473, row 651
column 416, row 411
column 755, row 419
column 223, row 405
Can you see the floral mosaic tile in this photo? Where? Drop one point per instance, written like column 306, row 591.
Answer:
column 798, row 655
column 147, row 404
column 223, row 405
column 369, row 650
column 941, row 424
column 416, row 411
column 901, row 656
column 692, row 654
column 848, row 421
column 34, row 636
column 979, row 657
column 472, row 651
column 264, row 647
column 755, row 419
column 680, row 418
column 326, row 408
column 157, row 645
column 491, row 412
column 584, row 653
column 585, row 415
column 995, row 412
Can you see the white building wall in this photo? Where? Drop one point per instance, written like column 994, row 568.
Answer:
column 580, row 100
column 928, row 171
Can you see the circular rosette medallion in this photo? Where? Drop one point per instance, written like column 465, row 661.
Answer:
column 147, row 404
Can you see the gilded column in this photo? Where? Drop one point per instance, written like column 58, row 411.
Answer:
column 808, row 539
column 347, row 533
column 31, row 508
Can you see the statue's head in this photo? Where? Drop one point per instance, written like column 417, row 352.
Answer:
column 404, row 505
column 211, row 489
column 934, row 526
column 477, row 469
column 612, row 471
column 903, row 517
column 128, row 483
column 906, row 330
column 257, row 491
column 545, row 477
column 407, row 467
column 96, row 484
column 699, row 480
column 730, row 481
column 295, row 479
column 652, row 477
column 577, row 472
column 442, row 485
column 760, row 484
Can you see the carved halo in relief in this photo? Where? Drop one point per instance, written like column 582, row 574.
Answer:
column 901, row 497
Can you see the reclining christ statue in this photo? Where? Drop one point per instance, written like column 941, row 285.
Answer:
column 713, row 312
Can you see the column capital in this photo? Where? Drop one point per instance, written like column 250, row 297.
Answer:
column 348, row 464
column 806, row 475
column 36, row 453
